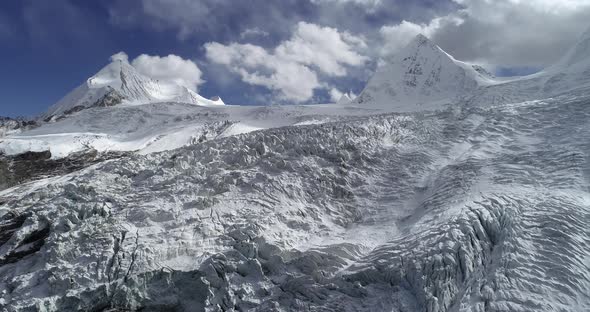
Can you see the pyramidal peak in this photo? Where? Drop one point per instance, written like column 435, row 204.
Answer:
column 346, row 98
column 120, row 83
column 421, row 76
column 421, row 41
column 112, row 74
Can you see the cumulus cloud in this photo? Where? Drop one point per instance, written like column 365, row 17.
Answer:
column 292, row 68
column 323, row 47
column 256, row 66
column 171, row 68
column 396, row 37
column 502, row 32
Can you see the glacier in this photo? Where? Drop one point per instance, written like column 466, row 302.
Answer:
column 468, row 194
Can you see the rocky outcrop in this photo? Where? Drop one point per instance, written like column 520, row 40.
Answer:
column 111, row 98
column 15, row 125
column 17, row 169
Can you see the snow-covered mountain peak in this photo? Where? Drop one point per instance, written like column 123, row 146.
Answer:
column 111, row 74
column 344, row 99
column 120, row 83
column 422, row 76
column 421, row 42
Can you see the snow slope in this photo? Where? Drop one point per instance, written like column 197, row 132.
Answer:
column 155, row 127
column 119, row 83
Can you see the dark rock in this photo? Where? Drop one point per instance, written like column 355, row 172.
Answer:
column 30, row 245
column 8, row 125
column 9, row 224
column 33, row 156
column 112, row 98
column 74, row 109
column 30, row 166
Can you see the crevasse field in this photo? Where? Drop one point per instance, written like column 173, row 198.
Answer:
column 440, row 188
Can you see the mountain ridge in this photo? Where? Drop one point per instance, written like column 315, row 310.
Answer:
column 120, row 83
column 420, row 76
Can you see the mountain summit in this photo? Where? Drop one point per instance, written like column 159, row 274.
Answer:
column 120, row 83
column 421, row 76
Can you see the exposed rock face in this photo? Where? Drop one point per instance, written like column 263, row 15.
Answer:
column 111, row 98
column 35, row 165
column 10, row 125
column 28, row 245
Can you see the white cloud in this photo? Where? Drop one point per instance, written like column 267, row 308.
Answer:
column 335, row 95
column 323, row 47
column 552, row 6
column 121, row 56
column 501, row 32
column 171, row 68
column 293, row 67
column 396, row 37
column 293, row 81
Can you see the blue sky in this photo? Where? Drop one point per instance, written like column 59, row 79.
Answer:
column 266, row 51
